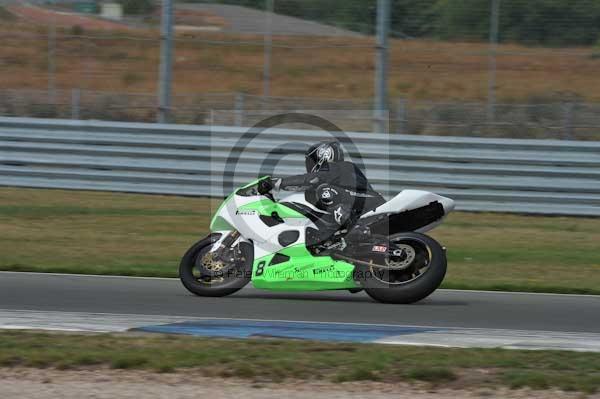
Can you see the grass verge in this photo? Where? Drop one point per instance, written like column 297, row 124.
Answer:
column 277, row 360
column 145, row 235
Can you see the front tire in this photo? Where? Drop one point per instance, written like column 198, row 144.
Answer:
column 193, row 281
column 414, row 288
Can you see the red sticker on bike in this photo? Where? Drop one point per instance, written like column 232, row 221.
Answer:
column 379, row 248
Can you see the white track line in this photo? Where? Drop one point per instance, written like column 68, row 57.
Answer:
column 431, row 336
column 196, row 318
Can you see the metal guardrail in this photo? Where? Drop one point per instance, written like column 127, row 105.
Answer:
column 505, row 175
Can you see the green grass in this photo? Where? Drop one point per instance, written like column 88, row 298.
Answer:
column 144, row 235
column 526, row 253
column 277, row 360
column 432, row 374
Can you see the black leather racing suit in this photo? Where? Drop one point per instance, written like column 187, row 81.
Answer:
column 341, row 189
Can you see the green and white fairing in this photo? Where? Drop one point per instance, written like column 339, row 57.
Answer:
column 278, row 266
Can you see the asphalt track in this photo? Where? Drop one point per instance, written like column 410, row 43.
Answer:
column 445, row 308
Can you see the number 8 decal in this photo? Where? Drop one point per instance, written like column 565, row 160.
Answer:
column 260, row 268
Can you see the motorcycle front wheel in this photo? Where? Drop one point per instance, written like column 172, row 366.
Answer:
column 203, row 276
column 415, row 268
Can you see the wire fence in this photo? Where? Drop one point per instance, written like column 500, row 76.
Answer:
column 448, row 72
column 560, row 120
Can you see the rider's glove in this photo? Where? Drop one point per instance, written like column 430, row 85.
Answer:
column 265, row 186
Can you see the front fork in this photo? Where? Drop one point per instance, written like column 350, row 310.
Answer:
column 226, row 239
column 224, row 249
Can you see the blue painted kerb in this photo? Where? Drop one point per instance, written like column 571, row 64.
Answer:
column 283, row 329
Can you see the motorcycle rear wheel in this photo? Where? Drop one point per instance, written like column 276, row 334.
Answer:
column 190, row 271
column 412, row 283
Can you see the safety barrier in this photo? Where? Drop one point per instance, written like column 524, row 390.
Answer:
column 506, row 175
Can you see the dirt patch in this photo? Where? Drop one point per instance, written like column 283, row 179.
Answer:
column 26, row 383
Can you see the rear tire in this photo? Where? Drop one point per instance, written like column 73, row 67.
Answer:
column 193, row 284
column 419, row 288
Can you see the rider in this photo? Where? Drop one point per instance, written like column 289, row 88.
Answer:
column 336, row 186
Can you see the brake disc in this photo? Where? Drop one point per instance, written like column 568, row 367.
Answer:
column 213, row 267
column 401, row 257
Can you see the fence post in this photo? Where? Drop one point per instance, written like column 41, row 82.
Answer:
column 239, row 109
column 568, row 121
column 494, row 16
column 267, row 47
column 381, row 66
column 75, row 101
column 51, row 62
column 400, row 115
column 166, row 55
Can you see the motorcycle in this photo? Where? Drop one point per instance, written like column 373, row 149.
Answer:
column 271, row 242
